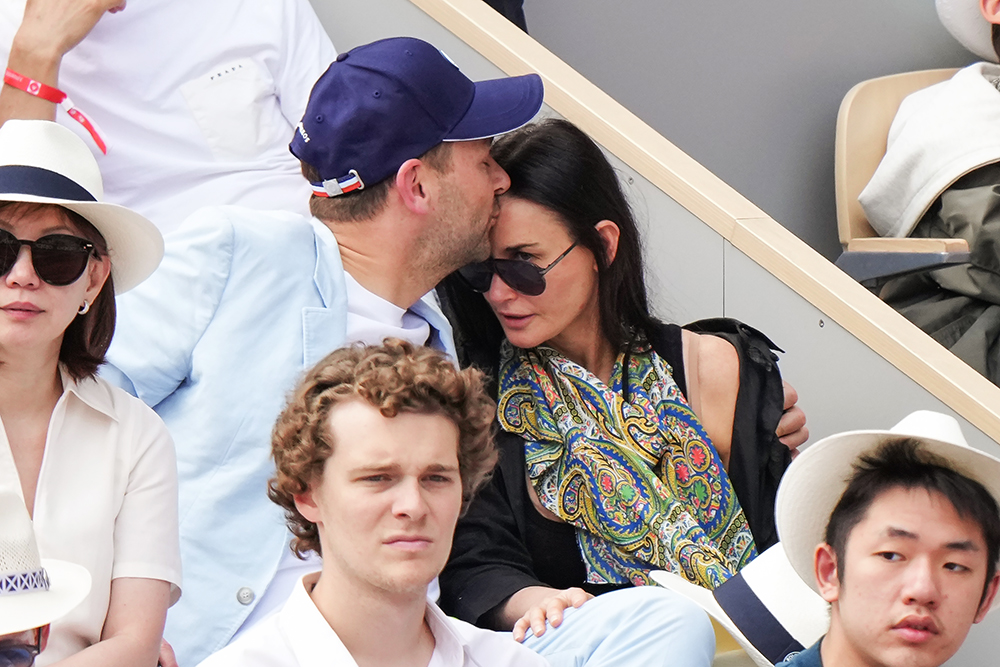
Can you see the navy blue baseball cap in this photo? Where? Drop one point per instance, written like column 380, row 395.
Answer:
column 380, row 104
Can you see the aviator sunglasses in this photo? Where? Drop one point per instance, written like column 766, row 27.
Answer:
column 59, row 259
column 21, row 655
column 519, row 274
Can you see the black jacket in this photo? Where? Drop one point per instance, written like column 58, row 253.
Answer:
column 491, row 558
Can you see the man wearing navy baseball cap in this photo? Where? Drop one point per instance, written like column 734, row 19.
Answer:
column 395, row 141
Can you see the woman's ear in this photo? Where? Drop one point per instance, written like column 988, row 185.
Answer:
column 97, row 274
column 990, row 10
column 609, row 234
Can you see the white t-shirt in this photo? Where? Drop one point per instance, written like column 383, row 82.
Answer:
column 371, row 319
column 196, row 100
column 299, row 636
column 106, row 499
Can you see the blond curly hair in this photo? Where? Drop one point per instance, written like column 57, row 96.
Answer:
column 393, row 377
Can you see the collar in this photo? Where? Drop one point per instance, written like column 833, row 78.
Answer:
column 93, row 393
column 329, row 268
column 315, row 644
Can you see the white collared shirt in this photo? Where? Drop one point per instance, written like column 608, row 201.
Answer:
column 106, row 499
column 299, row 636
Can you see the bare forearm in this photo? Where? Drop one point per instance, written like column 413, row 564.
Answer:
column 121, row 651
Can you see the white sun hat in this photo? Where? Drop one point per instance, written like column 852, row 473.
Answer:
column 33, row 591
column 966, row 23
column 44, row 162
column 766, row 607
column 816, row 479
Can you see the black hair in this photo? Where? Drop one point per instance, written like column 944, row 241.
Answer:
column 88, row 336
column 556, row 165
column 904, row 463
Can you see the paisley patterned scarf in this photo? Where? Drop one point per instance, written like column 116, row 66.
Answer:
column 639, row 479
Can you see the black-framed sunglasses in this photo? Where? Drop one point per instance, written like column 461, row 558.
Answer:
column 59, row 259
column 21, row 655
column 519, row 274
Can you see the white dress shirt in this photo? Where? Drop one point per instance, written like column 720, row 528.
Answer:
column 106, row 499
column 299, row 636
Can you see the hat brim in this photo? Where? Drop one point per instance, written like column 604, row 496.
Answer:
column 69, row 584
column 816, row 479
column 704, row 599
column 135, row 245
column 499, row 106
column 965, row 22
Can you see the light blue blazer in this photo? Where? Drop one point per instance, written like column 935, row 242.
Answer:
column 215, row 340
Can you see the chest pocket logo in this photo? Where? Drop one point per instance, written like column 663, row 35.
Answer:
column 234, row 105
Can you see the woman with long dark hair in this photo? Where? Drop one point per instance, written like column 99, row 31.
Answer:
column 94, row 466
column 617, row 430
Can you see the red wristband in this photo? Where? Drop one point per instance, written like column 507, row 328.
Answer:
column 56, row 96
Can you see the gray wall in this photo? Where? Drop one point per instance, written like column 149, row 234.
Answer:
column 749, row 89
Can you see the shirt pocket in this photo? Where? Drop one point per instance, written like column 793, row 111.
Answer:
column 234, row 105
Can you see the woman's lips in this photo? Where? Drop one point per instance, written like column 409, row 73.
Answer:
column 21, row 310
column 514, row 321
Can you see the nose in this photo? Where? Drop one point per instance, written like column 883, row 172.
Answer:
column 499, row 291
column 501, row 181
column 922, row 586
column 409, row 500
column 22, row 274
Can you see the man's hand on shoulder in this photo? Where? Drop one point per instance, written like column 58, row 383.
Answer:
column 792, row 430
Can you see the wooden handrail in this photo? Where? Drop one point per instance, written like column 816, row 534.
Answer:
column 726, row 211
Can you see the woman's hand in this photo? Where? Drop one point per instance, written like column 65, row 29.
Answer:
column 539, row 604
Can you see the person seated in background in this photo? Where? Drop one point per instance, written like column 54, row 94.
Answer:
column 619, row 433
column 938, row 180
column 899, row 531
column 245, row 301
column 377, row 452
column 93, row 465
column 195, row 101
column 34, row 592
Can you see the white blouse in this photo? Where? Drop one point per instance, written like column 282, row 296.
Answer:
column 106, row 499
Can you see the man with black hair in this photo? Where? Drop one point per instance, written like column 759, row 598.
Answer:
column 908, row 557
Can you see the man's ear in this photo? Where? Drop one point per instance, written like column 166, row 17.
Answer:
column 306, row 506
column 991, row 592
column 825, row 570
column 411, row 184
column 609, row 234
column 990, row 10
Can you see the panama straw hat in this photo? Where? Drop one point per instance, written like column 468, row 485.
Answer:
column 44, row 162
column 33, row 591
column 965, row 22
column 767, row 609
column 816, row 479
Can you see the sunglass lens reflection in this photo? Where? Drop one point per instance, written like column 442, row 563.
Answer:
column 20, row 656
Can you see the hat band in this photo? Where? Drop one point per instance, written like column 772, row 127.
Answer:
column 755, row 621
column 38, row 182
column 24, row 582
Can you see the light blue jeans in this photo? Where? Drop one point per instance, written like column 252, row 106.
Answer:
column 645, row 626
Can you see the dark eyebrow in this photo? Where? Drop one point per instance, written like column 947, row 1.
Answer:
column 900, row 532
column 961, row 545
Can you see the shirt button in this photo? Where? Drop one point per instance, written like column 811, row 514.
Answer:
column 245, row 595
